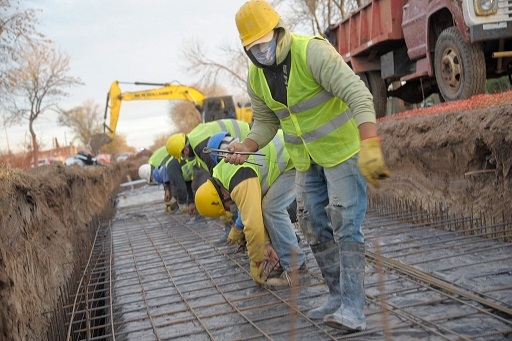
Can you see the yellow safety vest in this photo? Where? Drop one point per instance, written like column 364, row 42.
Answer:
column 159, row 157
column 187, row 169
column 276, row 161
column 204, row 131
column 317, row 126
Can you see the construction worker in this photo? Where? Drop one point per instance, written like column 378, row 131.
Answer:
column 301, row 84
column 276, row 177
column 176, row 177
column 190, row 146
column 262, row 194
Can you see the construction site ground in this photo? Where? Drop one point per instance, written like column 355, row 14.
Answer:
column 84, row 258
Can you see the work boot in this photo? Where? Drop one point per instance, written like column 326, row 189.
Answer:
column 327, row 257
column 350, row 315
column 284, row 278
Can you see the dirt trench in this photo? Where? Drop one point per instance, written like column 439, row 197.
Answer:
column 48, row 219
column 456, row 157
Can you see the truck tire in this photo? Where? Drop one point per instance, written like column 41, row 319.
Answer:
column 377, row 87
column 459, row 67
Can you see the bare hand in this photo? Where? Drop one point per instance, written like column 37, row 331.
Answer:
column 191, row 209
column 236, row 159
column 167, row 195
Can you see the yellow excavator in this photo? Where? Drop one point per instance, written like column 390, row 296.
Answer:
column 210, row 108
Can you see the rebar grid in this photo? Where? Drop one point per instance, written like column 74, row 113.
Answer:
column 162, row 279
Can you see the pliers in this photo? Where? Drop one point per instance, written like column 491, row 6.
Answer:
column 222, row 153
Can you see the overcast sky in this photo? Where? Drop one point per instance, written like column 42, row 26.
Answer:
column 126, row 40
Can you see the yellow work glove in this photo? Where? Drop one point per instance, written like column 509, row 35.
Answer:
column 371, row 161
column 257, row 273
column 226, row 218
column 170, row 206
column 183, row 208
column 236, row 236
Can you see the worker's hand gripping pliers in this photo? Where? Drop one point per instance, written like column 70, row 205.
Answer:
column 223, row 152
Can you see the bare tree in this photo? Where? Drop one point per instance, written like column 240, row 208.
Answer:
column 311, row 16
column 117, row 145
column 17, row 28
column 84, row 121
column 159, row 141
column 185, row 116
column 230, row 72
column 37, row 84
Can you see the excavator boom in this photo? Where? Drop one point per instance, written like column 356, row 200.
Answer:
column 210, row 108
column 165, row 91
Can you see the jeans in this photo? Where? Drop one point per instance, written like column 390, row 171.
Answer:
column 331, row 203
column 278, row 224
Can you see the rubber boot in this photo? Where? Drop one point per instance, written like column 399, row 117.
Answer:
column 350, row 315
column 327, row 257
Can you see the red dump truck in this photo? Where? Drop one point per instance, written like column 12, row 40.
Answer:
column 412, row 49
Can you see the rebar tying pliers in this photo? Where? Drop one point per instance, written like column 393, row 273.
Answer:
column 222, row 153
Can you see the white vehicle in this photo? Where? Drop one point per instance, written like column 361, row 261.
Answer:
column 83, row 159
column 123, row 156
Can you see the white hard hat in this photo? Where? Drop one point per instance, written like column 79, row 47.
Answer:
column 145, row 172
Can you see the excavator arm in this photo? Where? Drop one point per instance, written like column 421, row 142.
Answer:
column 165, row 91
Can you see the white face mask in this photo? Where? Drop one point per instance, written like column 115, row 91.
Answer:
column 265, row 53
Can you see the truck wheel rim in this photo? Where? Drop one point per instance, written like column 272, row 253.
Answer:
column 452, row 69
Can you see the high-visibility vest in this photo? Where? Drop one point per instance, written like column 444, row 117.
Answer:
column 204, row 131
column 159, row 157
column 316, row 125
column 187, row 169
column 276, row 161
column 162, row 157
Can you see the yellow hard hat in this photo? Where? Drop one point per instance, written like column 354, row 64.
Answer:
column 175, row 145
column 254, row 20
column 208, row 201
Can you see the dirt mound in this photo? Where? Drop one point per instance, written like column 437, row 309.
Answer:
column 458, row 160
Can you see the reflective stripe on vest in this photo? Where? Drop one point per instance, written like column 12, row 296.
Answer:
column 314, row 101
column 321, row 131
column 236, row 128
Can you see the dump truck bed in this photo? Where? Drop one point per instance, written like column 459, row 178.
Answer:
column 375, row 28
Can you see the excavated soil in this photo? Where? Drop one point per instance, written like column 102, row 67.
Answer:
column 455, row 157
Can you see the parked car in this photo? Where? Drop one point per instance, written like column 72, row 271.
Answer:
column 82, row 158
column 123, row 156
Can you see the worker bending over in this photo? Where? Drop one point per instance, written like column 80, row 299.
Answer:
column 262, row 195
column 175, row 177
column 190, row 147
